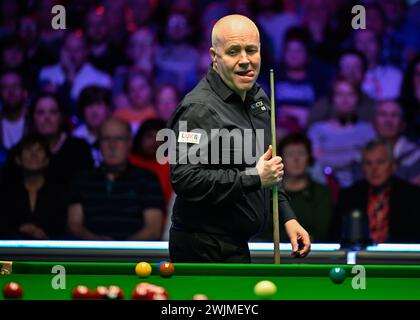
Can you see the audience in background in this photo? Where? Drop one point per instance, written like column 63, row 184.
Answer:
column 102, row 54
column 144, row 154
column 69, row 155
column 389, row 125
column 297, row 88
column 32, row 206
column 381, row 204
column 94, row 108
column 146, row 54
column 177, row 58
column 410, row 99
column 137, row 105
column 141, row 53
column 13, row 114
column 116, row 201
column 274, row 24
column 167, row 100
column 337, row 142
column 352, row 66
column 382, row 81
column 311, row 201
column 73, row 72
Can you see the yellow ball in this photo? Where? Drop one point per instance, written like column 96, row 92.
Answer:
column 265, row 288
column 143, row 269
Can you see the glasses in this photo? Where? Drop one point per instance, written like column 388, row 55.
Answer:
column 114, row 139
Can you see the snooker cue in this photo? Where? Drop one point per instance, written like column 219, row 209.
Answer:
column 276, row 231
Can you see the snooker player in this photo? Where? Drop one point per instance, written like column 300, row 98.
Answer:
column 220, row 205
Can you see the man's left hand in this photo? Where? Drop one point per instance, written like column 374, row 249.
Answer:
column 301, row 243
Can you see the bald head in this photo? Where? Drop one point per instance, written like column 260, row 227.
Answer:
column 235, row 52
column 232, row 24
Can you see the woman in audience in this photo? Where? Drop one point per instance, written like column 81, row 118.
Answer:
column 144, row 154
column 32, row 206
column 338, row 141
column 94, row 108
column 138, row 106
column 311, row 201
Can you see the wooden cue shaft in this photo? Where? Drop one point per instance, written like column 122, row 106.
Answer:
column 276, row 231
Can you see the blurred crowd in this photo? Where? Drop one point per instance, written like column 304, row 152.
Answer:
column 80, row 109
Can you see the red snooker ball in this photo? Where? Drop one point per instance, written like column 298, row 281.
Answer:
column 100, row 292
column 12, row 290
column 115, row 292
column 166, row 269
column 148, row 291
column 142, row 292
column 81, row 292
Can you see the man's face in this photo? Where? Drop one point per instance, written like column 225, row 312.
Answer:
column 295, row 55
column 177, row 27
column 47, row 117
column 366, row 42
column 351, row 67
column 377, row 166
column 95, row 114
column 388, row 120
column 237, row 59
column 140, row 44
column 33, row 158
column 139, row 92
column 96, row 26
column 115, row 144
column 75, row 49
column 344, row 98
column 11, row 91
column 166, row 102
column 295, row 159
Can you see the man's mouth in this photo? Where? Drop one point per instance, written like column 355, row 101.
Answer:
column 246, row 73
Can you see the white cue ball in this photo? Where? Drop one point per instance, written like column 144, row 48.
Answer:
column 265, row 288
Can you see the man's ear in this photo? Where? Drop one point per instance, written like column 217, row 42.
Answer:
column 213, row 55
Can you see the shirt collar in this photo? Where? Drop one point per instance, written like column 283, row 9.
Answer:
column 223, row 91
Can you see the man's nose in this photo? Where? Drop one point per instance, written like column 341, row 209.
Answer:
column 243, row 58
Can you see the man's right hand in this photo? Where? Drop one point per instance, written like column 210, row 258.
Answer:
column 270, row 169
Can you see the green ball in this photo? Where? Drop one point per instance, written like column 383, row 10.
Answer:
column 337, row 275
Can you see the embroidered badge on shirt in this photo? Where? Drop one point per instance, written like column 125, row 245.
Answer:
column 258, row 107
column 189, row 137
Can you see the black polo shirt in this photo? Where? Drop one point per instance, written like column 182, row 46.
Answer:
column 115, row 208
column 222, row 197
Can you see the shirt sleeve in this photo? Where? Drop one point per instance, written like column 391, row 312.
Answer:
column 195, row 180
column 286, row 212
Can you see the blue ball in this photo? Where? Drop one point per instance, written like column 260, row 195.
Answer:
column 337, row 275
column 159, row 264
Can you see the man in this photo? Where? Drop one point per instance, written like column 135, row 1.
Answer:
column 13, row 115
column 101, row 53
column 385, row 203
column 389, row 125
column 73, row 72
column 116, row 201
column 351, row 65
column 219, row 206
column 380, row 81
